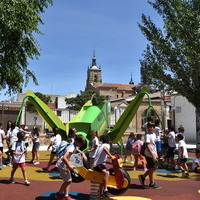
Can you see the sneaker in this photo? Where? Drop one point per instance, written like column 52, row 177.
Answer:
column 141, row 179
column 67, row 198
column 145, row 169
column 27, row 182
column 134, row 168
column 106, row 194
column 36, row 163
column 59, row 196
column 11, row 180
column 132, row 162
column 186, row 175
column 154, row 186
column 45, row 169
column 9, row 164
column 183, row 174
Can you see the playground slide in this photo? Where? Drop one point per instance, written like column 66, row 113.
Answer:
column 127, row 116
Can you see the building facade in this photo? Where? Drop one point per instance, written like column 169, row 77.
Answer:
column 183, row 114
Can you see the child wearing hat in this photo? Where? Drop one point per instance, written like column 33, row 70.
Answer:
column 18, row 159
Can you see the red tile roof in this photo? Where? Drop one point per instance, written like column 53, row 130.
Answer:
column 118, row 86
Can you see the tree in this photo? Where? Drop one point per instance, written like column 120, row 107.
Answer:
column 77, row 102
column 172, row 57
column 31, row 108
column 19, row 20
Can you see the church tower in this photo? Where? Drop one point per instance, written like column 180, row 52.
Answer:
column 93, row 74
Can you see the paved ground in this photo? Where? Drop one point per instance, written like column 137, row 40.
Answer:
column 44, row 185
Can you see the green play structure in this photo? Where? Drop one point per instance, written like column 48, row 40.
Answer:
column 90, row 117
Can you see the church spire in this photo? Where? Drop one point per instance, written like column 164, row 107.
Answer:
column 94, row 63
column 94, row 53
column 131, row 81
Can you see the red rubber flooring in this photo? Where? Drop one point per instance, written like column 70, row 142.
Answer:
column 44, row 185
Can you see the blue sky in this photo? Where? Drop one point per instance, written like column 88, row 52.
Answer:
column 73, row 29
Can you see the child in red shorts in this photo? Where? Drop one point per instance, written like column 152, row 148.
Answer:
column 18, row 157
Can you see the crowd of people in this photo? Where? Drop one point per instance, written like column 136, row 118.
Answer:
column 17, row 140
column 157, row 145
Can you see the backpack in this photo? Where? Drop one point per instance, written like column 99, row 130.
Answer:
column 136, row 148
column 142, row 150
column 61, row 148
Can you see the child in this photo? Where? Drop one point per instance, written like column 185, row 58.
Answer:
column 136, row 152
column 196, row 162
column 18, row 158
column 171, row 147
column 36, row 144
column 99, row 162
column 182, row 155
column 181, row 130
column 71, row 135
column 2, row 137
column 131, row 139
column 55, row 142
column 12, row 137
column 157, row 131
column 63, row 162
column 24, row 129
column 144, row 126
column 151, row 157
column 94, row 143
column 7, row 139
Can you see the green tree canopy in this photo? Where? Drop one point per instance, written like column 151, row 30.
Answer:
column 30, row 107
column 19, row 20
column 172, row 57
column 77, row 102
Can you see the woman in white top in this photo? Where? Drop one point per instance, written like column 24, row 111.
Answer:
column 55, row 142
column 34, row 135
column 94, row 144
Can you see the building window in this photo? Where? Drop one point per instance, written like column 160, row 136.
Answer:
column 178, row 109
column 95, row 78
column 59, row 113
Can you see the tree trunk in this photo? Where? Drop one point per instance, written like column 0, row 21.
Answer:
column 198, row 128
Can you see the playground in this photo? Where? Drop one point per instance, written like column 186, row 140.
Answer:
column 44, row 185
